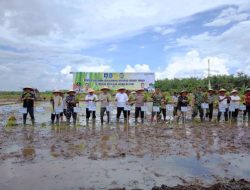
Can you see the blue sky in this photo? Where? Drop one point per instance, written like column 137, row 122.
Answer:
column 42, row 41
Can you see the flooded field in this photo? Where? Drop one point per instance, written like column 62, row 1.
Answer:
column 120, row 155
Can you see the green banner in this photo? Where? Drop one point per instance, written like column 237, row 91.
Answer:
column 82, row 81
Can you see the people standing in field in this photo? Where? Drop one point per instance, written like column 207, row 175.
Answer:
column 211, row 98
column 174, row 102
column 157, row 100
column 28, row 99
column 140, row 100
column 56, row 103
column 235, row 103
column 182, row 103
column 247, row 103
column 63, row 106
column 121, row 99
column 197, row 101
column 105, row 99
column 163, row 107
column 223, row 100
column 91, row 99
column 71, row 102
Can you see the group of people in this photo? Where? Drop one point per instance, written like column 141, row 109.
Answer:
column 62, row 105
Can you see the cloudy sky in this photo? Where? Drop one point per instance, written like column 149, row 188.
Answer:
column 41, row 41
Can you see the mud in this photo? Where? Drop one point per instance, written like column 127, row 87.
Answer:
column 123, row 155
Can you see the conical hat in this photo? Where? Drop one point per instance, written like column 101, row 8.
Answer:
column 90, row 90
column 222, row 90
column 71, row 90
column 105, row 88
column 28, row 87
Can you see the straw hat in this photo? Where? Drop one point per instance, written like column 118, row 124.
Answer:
column 105, row 88
column 222, row 90
column 210, row 89
column 233, row 91
column 140, row 89
column 71, row 90
column 121, row 88
column 56, row 91
column 90, row 90
column 28, row 87
column 183, row 91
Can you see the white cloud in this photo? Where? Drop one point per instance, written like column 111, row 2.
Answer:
column 228, row 16
column 112, row 47
column 137, row 68
column 80, row 24
column 163, row 30
column 233, row 44
column 192, row 65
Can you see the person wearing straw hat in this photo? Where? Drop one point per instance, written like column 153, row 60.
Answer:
column 28, row 99
column 105, row 99
column 247, row 103
column 157, row 98
column 91, row 99
column 140, row 100
column 56, row 102
column 223, row 102
column 234, row 102
column 71, row 102
column 210, row 99
column 197, row 101
column 121, row 99
column 182, row 102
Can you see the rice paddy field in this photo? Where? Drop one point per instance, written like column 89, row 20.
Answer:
column 124, row 155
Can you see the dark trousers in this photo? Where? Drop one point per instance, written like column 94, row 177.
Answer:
column 234, row 114
column 225, row 115
column 70, row 112
column 164, row 113
column 88, row 114
column 139, row 112
column 103, row 110
column 118, row 114
column 53, row 117
column 30, row 111
column 175, row 111
column 245, row 113
column 210, row 111
column 195, row 112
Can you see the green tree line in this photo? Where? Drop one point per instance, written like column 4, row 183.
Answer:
column 240, row 82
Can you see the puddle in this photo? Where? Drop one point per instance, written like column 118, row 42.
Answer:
column 120, row 155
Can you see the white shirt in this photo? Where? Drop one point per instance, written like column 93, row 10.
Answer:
column 58, row 102
column 235, row 100
column 91, row 98
column 121, row 99
column 224, row 102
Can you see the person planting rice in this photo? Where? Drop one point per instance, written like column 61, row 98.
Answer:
column 91, row 99
column 182, row 102
column 197, row 101
column 211, row 97
column 234, row 102
column 28, row 99
column 157, row 100
column 174, row 102
column 223, row 104
column 121, row 99
column 163, row 107
column 247, row 103
column 57, row 103
column 71, row 102
column 140, row 100
column 105, row 99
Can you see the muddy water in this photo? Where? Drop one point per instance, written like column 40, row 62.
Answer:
column 120, row 155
